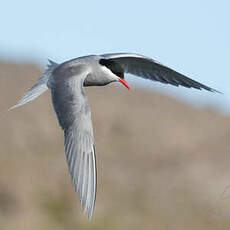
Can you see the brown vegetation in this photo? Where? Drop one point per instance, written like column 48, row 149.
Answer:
column 162, row 164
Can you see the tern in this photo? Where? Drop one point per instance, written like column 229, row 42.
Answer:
column 66, row 82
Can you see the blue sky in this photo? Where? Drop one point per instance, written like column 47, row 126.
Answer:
column 190, row 36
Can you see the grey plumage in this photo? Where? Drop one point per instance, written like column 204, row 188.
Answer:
column 40, row 86
column 66, row 83
column 150, row 69
column 74, row 116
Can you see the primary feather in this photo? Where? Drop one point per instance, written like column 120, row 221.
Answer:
column 148, row 68
column 74, row 116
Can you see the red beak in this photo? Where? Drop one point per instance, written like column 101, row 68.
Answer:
column 124, row 83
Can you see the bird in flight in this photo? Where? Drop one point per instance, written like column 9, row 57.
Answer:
column 66, row 82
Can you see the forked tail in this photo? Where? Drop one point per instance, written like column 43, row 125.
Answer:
column 39, row 88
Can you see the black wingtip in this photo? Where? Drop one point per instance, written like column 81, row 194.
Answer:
column 215, row 91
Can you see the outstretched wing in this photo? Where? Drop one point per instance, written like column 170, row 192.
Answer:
column 74, row 116
column 150, row 69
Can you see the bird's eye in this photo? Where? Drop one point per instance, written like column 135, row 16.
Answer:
column 113, row 66
column 121, row 75
column 103, row 62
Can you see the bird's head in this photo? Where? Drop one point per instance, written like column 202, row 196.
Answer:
column 115, row 71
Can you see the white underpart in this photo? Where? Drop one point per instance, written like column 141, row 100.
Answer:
column 109, row 73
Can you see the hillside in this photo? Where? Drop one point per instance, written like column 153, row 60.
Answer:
column 161, row 164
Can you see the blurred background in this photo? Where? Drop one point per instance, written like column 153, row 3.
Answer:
column 162, row 152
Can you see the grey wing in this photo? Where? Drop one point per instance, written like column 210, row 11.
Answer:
column 73, row 112
column 81, row 161
column 150, row 69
